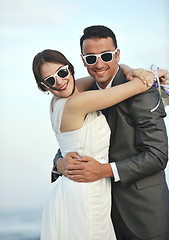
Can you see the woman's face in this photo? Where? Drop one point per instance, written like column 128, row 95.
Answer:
column 65, row 85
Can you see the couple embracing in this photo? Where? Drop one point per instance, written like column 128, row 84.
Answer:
column 111, row 182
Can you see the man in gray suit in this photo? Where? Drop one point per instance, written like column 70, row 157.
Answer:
column 138, row 151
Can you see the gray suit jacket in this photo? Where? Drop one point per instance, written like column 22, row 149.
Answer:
column 139, row 148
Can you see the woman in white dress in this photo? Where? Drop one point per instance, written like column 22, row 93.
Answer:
column 78, row 211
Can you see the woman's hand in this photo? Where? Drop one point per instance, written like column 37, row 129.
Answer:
column 69, row 160
column 144, row 75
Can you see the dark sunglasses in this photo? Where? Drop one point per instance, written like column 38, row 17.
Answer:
column 91, row 59
column 62, row 72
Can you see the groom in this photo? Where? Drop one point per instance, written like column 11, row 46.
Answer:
column 138, row 148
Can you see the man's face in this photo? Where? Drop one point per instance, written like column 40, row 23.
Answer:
column 101, row 72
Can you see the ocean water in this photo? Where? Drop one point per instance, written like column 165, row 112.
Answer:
column 20, row 224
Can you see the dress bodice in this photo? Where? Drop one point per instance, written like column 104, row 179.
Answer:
column 92, row 139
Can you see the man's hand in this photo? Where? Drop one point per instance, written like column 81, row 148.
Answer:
column 68, row 160
column 89, row 170
column 162, row 74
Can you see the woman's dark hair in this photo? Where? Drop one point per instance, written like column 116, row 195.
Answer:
column 52, row 56
column 97, row 31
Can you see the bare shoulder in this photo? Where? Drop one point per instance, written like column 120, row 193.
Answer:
column 72, row 118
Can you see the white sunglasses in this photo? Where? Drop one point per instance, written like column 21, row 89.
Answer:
column 91, row 59
column 62, row 72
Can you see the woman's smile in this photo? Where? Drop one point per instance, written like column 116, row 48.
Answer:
column 64, row 86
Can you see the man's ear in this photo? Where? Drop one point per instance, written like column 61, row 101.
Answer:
column 83, row 60
column 118, row 56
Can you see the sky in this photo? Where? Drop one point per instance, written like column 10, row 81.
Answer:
column 27, row 142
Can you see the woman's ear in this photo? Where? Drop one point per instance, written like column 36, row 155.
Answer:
column 43, row 87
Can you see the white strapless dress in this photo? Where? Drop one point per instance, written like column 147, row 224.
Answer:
column 80, row 211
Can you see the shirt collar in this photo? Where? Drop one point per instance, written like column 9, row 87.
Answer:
column 110, row 83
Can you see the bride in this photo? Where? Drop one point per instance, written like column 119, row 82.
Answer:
column 78, row 211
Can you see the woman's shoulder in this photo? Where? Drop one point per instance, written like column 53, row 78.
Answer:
column 56, row 112
column 57, row 103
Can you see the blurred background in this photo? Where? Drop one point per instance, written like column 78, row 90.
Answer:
column 27, row 142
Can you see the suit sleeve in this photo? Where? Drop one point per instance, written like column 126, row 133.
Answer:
column 147, row 112
column 54, row 173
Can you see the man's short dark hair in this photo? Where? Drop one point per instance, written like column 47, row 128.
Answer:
column 97, row 31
